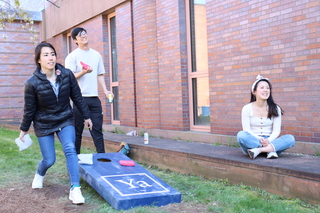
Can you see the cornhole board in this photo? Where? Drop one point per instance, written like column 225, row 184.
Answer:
column 125, row 187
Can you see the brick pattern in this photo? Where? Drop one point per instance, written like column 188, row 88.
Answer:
column 17, row 65
column 126, row 75
column 59, row 44
column 279, row 40
column 172, row 65
column 146, row 64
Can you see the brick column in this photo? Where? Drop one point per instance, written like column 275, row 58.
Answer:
column 146, row 64
column 125, row 65
column 172, row 59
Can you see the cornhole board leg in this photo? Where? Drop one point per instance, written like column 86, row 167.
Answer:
column 125, row 187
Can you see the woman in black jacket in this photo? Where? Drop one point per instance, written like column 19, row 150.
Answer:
column 47, row 97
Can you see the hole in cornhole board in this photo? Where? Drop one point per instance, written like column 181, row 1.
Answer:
column 103, row 160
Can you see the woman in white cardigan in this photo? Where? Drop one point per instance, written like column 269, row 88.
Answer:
column 261, row 123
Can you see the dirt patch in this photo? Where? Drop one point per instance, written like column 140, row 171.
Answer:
column 54, row 199
column 51, row 199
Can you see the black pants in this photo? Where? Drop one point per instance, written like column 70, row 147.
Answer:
column 96, row 117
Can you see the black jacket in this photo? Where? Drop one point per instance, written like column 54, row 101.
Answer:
column 48, row 112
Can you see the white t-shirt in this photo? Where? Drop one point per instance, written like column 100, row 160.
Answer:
column 89, row 82
column 257, row 126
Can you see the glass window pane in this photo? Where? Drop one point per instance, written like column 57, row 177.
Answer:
column 116, row 112
column 69, row 44
column 114, row 49
column 199, row 44
column 201, row 104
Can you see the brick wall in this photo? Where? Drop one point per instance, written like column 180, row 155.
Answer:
column 277, row 39
column 172, row 65
column 126, row 75
column 59, row 43
column 17, row 65
column 146, row 64
column 161, row 91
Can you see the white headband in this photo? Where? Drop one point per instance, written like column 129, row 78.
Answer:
column 259, row 77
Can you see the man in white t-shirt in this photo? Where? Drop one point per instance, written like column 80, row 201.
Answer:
column 88, row 78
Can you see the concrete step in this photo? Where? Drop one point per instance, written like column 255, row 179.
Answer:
column 290, row 175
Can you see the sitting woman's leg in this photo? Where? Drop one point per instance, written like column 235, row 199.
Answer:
column 247, row 141
column 282, row 143
column 267, row 149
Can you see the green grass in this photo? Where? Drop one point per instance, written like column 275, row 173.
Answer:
column 118, row 130
column 317, row 151
column 216, row 195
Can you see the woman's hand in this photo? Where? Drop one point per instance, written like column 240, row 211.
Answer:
column 22, row 134
column 88, row 123
column 264, row 141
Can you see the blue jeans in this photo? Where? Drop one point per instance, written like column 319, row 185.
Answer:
column 67, row 137
column 248, row 141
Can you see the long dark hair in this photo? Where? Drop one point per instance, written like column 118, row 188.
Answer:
column 37, row 52
column 272, row 106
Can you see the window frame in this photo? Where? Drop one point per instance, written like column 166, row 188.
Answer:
column 112, row 84
column 192, row 75
column 69, row 43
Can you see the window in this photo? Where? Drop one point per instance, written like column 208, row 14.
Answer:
column 69, row 43
column 198, row 65
column 115, row 114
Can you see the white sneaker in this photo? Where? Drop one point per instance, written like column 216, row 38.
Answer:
column 253, row 153
column 75, row 195
column 272, row 155
column 37, row 182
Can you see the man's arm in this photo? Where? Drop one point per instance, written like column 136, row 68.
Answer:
column 83, row 72
column 102, row 83
column 70, row 63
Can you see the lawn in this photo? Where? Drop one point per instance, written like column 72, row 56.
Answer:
column 198, row 194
